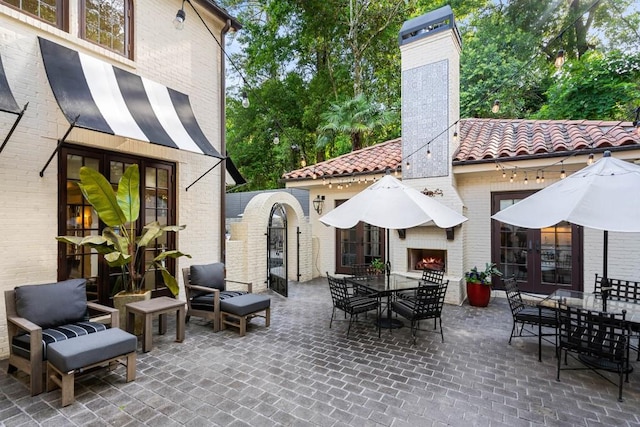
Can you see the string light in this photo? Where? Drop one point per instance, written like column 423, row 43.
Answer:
column 428, row 153
column 526, row 180
column 512, row 176
column 276, row 138
column 562, row 173
column 496, row 107
column 538, row 177
column 408, row 165
column 590, row 159
column 542, row 177
column 303, row 161
column 515, row 172
column 245, row 100
column 504, row 174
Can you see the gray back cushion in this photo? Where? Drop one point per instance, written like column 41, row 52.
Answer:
column 53, row 304
column 209, row 275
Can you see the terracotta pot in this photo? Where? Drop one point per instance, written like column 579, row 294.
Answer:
column 123, row 298
column 478, row 294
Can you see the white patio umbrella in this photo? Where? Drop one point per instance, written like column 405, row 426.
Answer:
column 603, row 196
column 390, row 204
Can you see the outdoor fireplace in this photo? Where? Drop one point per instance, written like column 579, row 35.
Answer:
column 419, row 259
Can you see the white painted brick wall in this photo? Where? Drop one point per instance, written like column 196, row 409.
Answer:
column 188, row 61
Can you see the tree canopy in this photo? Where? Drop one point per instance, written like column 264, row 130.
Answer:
column 324, row 75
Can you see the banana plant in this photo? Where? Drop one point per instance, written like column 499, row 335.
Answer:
column 119, row 243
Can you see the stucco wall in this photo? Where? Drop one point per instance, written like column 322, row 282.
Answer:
column 187, row 61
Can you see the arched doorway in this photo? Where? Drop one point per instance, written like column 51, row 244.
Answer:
column 277, row 250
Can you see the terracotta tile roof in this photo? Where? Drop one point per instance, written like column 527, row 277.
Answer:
column 377, row 158
column 483, row 140
column 489, row 139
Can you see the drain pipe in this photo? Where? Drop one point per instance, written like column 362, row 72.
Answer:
column 223, row 145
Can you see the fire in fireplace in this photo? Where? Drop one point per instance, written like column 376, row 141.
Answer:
column 420, row 259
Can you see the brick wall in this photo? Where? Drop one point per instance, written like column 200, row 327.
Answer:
column 186, row 60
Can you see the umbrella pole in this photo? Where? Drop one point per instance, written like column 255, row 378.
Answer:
column 388, row 263
column 605, row 258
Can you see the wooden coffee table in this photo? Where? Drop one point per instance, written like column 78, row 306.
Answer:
column 160, row 306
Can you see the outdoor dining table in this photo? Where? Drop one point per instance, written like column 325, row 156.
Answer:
column 587, row 301
column 385, row 286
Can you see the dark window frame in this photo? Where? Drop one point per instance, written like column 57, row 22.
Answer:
column 128, row 28
column 62, row 14
column 105, row 158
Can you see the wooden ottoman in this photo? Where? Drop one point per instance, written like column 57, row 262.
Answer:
column 238, row 310
column 66, row 358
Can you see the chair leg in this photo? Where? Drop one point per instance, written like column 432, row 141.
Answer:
column 513, row 329
column 441, row 334
column 333, row 312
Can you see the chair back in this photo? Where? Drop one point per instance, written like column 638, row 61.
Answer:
column 430, row 300
column 363, row 271
column 432, row 276
column 339, row 292
column 513, row 295
column 600, row 335
column 618, row 289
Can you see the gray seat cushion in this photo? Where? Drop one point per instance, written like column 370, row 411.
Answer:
column 65, row 302
column 21, row 344
column 205, row 302
column 89, row 349
column 245, row 304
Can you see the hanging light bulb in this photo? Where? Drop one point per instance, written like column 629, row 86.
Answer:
column 455, row 135
column 330, row 184
column 563, row 175
column 504, row 174
column 428, row 153
column 512, row 176
column 496, row 107
column 245, row 99
column 497, row 166
column 560, row 59
column 542, row 177
column 408, row 165
column 590, row 159
column 178, row 21
column 303, row 161
column 324, row 181
column 396, row 172
column 526, row 180
column 515, row 173
column 276, row 138
column 537, row 177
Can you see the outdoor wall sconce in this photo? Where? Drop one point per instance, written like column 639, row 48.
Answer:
column 450, row 234
column 433, row 193
column 318, row 203
column 402, row 233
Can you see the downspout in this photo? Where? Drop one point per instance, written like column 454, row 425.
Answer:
column 223, row 148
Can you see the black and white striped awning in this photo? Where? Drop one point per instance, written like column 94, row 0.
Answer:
column 95, row 95
column 8, row 104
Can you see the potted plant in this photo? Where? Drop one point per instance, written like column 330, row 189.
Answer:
column 479, row 284
column 119, row 243
column 378, row 266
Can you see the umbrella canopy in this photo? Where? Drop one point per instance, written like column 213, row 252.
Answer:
column 390, row 204
column 601, row 196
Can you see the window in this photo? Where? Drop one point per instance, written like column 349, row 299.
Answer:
column 78, row 218
column 107, row 23
column 52, row 11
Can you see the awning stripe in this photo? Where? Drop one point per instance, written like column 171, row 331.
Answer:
column 166, row 114
column 8, row 103
column 185, row 113
column 114, row 101
column 107, row 96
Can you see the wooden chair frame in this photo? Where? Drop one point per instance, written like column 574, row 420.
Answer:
column 35, row 366
column 214, row 315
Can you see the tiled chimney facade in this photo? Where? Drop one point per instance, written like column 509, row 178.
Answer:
column 430, row 46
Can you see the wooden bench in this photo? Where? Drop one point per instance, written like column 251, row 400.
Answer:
column 66, row 358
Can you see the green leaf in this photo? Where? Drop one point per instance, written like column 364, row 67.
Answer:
column 170, row 254
column 128, row 195
column 117, row 259
column 98, row 191
column 170, row 281
column 149, row 232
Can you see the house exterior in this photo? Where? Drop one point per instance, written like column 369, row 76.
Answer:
column 108, row 84
column 476, row 167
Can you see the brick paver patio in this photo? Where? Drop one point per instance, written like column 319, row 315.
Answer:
column 299, row 372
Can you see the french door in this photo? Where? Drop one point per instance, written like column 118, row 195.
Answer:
column 358, row 245
column 541, row 260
